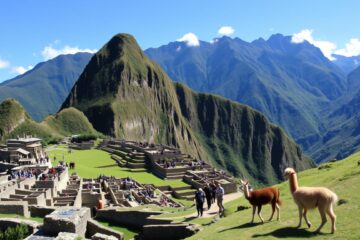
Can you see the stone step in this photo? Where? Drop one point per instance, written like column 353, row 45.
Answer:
column 170, row 177
column 135, row 165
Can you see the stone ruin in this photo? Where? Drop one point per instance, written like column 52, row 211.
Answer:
column 66, row 202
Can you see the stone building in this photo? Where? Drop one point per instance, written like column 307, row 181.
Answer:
column 22, row 151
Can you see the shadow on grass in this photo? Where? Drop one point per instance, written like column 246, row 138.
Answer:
column 290, row 232
column 107, row 166
column 245, row 225
column 188, row 219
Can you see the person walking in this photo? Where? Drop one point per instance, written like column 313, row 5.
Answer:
column 213, row 191
column 208, row 195
column 200, row 199
column 219, row 198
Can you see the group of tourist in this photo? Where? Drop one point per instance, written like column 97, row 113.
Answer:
column 22, row 174
column 210, row 192
column 43, row 160
column 183, row 163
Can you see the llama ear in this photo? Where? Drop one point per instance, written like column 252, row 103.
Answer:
column 242, row 182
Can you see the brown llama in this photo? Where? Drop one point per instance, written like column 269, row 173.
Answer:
column 311, row 197
column 260, row 197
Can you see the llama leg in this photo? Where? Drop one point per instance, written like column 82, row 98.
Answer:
column 253, row 215
column 306, row 219
column 273, row 210
column 278, row 211
column 259, row 213
column 323, row 218
column 300, row 215
column 332, row 216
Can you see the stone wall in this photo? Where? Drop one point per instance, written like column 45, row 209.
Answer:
column 13, row 222
column 15, row 207
column 130, row 218
column 36, row 211
column 67, row 219
column 168, row 231
column 94, row 227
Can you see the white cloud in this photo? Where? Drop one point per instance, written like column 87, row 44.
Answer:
column 326, row 47
column 352, row 48
column 50, row 52
column 4, row 64
column 226, row 30
column 191, row 39
column 20, row 69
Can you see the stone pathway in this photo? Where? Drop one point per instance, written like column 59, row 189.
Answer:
column 214, row 210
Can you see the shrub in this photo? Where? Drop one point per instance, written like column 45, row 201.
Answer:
column 17, row 233
column 84, row 137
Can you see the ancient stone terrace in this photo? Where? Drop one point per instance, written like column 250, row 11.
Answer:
column 126, row 192
column 126, row 154
column 200, row 178
column 91, row 192
column 168, row 163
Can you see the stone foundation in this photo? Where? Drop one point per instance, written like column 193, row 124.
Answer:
column 67, row 219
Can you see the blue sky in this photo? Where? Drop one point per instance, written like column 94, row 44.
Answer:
column 33, row 31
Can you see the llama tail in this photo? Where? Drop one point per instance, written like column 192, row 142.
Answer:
column 278, row 201
column 334, row 198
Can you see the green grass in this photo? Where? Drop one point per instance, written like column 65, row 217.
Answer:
column 36, row 219
column 92, row 163
column 128, row 233
column 342, row 177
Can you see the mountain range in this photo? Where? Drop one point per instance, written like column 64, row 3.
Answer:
column 294, row 85
column 43, row 89
column 125, row 94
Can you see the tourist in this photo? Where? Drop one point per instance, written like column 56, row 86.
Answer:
column 208, row 195
column 200, row 199
column 213, row 192
column 219, row 198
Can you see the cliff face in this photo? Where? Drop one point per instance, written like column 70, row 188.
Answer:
column 126, row 95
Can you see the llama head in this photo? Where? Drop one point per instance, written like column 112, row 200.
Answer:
column 244, row 182
column 288, row 172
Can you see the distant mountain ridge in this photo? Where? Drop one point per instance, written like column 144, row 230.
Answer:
column 43, row 89
column 125, row 94
column 294, row 85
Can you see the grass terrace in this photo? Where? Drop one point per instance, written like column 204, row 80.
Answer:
column 343, row 177
column 92, row 163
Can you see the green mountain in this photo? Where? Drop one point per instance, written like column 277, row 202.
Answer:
column 43, row 89
column 12, row 114
column 342, row 124
column 125, row 94
column 291, row 84
column 16, row 122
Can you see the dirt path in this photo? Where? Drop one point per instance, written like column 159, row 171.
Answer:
column 214, row 210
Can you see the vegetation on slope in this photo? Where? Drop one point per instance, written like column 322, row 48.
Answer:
column 342, row 177
column 124, row 94
column 12, row 114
